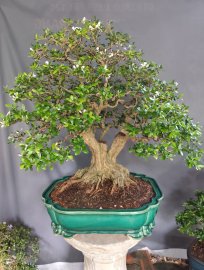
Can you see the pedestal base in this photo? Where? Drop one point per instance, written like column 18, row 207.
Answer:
column 103, row 251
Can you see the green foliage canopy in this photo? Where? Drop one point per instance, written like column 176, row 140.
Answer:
column 87, row 75
column 191, row 219
column 19, row 247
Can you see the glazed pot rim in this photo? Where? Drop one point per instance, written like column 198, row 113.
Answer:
column 145, row 208
column 189, row 255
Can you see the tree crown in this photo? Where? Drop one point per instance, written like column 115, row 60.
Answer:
column 89, row 76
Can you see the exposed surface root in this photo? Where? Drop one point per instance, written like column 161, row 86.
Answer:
column 118, row 174
column 95, row 179
column 69, row 183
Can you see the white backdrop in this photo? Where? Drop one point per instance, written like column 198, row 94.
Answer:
column 170, row 33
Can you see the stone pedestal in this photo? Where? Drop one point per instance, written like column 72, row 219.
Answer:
column 103, row 251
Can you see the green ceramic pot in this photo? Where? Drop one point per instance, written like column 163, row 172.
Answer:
column 136, row 222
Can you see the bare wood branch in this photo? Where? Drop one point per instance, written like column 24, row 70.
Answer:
column 117, row 145
column 67, row 90
column 144, row 139
column 116, row 104
column 129, row 106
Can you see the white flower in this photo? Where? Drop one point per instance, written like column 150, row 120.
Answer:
column 31, row 49
column 34, row 75
column 91, row 27
column 75, row 28
column 10, row 226
column 97, row 48
column 75, row 66
column 144, row 64
column 176, row 83
column 82, row 68
column 83, row 20
column 47, row 62
column 82, row 111
column 110, row 55
column 98, row 24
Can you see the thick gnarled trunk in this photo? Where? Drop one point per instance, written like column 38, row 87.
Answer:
column 103, row 163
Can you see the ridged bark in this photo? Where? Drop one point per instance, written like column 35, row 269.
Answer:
column 103, row 162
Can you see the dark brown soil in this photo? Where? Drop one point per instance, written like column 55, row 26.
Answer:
column 170, row 266
column 143, row 260
column 197, row 250
column 168, row 263
column 76, row 196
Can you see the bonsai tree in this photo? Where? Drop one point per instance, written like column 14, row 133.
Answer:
column 19, row 247
column 191, row 222
column 86, row 80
